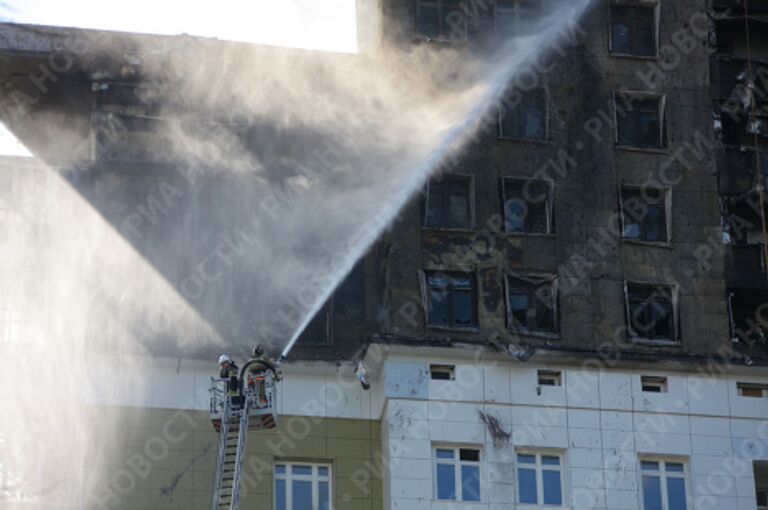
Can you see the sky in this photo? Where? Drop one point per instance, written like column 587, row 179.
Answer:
column 316, row 24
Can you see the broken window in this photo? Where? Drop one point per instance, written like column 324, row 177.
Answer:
column 299, row 486
column 549, row 377
column 349, row 298
column 442, row 372
column 451, row 299
column 752, row 390
column 318, row 331
column 760, row 469
column 651, row 311
column 663, row 483
column 457, row 473
column 644, row 214
column 539, row 478
column 516, row 17
column 653, row 384
column 744, row 235
column 449, row 203
column 523, row 115
column 531, row 303
column 748, row 308
column 441, row 19
column 640, row 120
column 633, row 30
column 527, row 206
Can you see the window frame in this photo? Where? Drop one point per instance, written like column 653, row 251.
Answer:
column 555, row 376
column 539, row 468
column 542, row 4
column 654, row 381
column 667, row 214
column 744, row 385
column 443, row 370
column 500, row 135
column 442, row 37
column 457, row 463
column 663, row 476
column 656, row 6
column 315, row 478
column 663, row 145
column 549, row 205
column 470, row 179
column 674, row 300
column 552, row 279
column 426, row 302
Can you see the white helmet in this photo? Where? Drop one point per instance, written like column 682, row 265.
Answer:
column 224, row 359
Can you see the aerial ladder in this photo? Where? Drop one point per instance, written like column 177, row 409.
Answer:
column 233, row 415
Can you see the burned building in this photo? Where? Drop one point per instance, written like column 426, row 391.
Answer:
column 569, row 314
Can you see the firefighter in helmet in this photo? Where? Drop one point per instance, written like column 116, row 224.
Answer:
column 228, row 371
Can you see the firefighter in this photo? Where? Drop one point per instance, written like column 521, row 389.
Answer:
column 261, row 362
column 228, row 371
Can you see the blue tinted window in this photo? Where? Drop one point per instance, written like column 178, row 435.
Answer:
column 325, row 495
column 302, row 495
column 444, row 454
column 526, row 459
column 550, row 461
column 280, row 469
column 526, row 479
column 322, row 471
column 301, row 470
column 676, row 493
column 649, row 465
column 470, row 483
column 651, row 493
column 446, row 481
column 280, row 501
column 552, row 487
column 675, row 467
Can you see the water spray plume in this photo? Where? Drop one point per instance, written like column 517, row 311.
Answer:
column 283, row 167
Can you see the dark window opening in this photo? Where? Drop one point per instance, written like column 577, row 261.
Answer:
column 349, row 298
column 449, row 203
column 318, row 331
column 531, row 304
column 653, row 384
column 749, row 308
column 451, row 299
column 640, row 121
column 752, row 390
column 441, row 20
column 523, row 116
column 549, row 378
column 651, row 312
column 744, row 233
column 633, row 30
column 644, row 214
column 442, row 372
column 527, row 206
column 760, row 469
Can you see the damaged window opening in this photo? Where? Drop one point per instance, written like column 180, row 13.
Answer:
column 299, row 486
column 748, row 308
column 550, row 378
column 527, row 206
column 640, row 120
column 539, row 478
column 531, row 304
column 449, row 203
column 442, row 20
column 516, row 17
column 653, row 384
column 442, row 372
column 633, row 30
column 752, row 390
column 744, row 237
column 645, row 214
column 457, row 473
column 524, row 116
column 318, row 331
column 451, row 299
column 651, row 312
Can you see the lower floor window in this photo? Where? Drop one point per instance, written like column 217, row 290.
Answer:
column 663, row 484
column 539, row 478
column 301, row 486
column 457, row 474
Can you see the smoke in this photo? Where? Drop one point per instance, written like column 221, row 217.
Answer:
column 278, row 169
